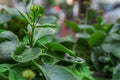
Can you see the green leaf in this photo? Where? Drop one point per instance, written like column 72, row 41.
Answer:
column 113, row 48
column 72, row 25
column 46, row 25
column 6, row 48
column 96, row 38
column 112, row 45
column 58, row 47
column 115, row 36
column 68, row 38
column 99, row 19
column 114, row 29
column 88, row 28
column 84, row 73
column 116, row 73
column 55, row 72
column 16, row 74
column 4, row 67
column 82, row 48
column 43, row 41
column 91, row 14
column 9, row 35
column 4, row 18
column 48, row 19
column 27, row 55
column 26, row 2
column 25, row 16
column 83, row 35
column 42, row 32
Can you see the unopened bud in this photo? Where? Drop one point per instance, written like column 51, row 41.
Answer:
column 29, row 74
column 34, row 7
column 29, row 33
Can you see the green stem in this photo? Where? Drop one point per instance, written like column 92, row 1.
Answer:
column 37, row 65
column 86, row 14
column 33, row 28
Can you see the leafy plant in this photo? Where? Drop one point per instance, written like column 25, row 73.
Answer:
column 98, row 44
column 38, row 55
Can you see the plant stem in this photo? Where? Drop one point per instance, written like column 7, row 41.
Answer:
column 37, row 65
column 86, row 14
column 33, row 28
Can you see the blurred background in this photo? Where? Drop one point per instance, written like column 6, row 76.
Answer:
column 69, row 9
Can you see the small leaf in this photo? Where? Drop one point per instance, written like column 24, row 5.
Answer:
column 87, row 28
column 42, row 32
column 72, row 25
column 4, row 67
column 96, row 38
column 4, row 18
column 82, row 35
column 48, row 20
column 16, row 74
column 99, row 19
column 55, row 72
column 25, row 16
column 84, row 73
column 58, row 47
column 27, row 55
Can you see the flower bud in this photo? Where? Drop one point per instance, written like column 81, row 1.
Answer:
column 29, row 33
column 29, row 74
column 34, row 7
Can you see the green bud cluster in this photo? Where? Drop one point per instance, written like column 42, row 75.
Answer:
column 34, row 7
column 29, row 74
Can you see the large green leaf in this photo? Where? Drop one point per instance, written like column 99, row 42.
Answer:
column 55, row 72
column 16, row 74
column 9, row 35
column 6, row 48
column 42, row 32
column 48, row 19
column 4, row 18
column 58, row 47
column 72, row 25
column 116, row 73
column 28, row 54
column 113, row 48
column 96, row 38
column 4, row 67
column 112, row 45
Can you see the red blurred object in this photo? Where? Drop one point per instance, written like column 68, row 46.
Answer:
column 57, row 8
